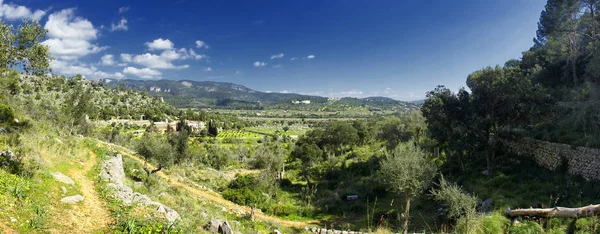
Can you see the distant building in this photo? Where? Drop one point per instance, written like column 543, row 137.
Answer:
column 301, row 102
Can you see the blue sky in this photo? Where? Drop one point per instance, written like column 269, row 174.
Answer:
column 394, row 48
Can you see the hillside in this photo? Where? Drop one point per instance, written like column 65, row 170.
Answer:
column 187, row 93
column 200, row 94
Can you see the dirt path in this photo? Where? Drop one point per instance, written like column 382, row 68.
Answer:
column 90, row 215
column 213, row 197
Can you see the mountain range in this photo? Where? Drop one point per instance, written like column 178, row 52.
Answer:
column 188, row 93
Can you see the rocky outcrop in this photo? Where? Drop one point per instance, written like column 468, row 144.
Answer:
column 576, row 160
column 113, row 172
column 60, row 177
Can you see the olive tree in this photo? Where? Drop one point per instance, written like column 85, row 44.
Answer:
column 408, row 171
column 22, row 47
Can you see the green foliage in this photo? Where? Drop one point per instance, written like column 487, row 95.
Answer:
column 526, row 227
column 407, row 170
column 155, row 148
column 458, row 203
column 495, row 223
column 22, row 47
column 7, row 114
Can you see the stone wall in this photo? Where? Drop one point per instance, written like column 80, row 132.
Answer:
column 580, row 160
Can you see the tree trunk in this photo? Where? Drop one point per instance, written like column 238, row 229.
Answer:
column 556, row 212
column 406, row 215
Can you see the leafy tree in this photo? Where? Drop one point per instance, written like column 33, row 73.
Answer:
column 153, row 147
column 212, row 129
column 310, row 154
column 502, row 97
column 77, row 106
column 408, row 171
column 22, row 47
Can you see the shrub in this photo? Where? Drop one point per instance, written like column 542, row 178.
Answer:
column 6, row 114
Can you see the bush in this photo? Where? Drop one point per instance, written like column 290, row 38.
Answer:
column 244, row 196
column 7, row 114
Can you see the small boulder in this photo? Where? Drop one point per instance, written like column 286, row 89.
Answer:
column 72, row 199
column 276, row 231
column 64, row 190
column 487, row 206
column 3, row 131
column 226, row 228
column 60, row 177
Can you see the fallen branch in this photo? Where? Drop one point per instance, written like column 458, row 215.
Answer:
column 556, row 212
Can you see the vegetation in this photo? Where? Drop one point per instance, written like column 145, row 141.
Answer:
column 344, row 163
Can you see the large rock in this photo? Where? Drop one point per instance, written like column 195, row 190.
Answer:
column 72, row 199
column 60, row 177
column 113, row 172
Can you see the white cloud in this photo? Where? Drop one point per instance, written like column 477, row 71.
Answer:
column 294, row 58
column 11, row 11
column 162, row 61
column 107, row 60
column 287, row 91
column 278, row 66
column 160, row 44
column 123, row 9
column 126, row 58
column 259, row 64
column 70, row 36
column 201, row 44
column 196, row 56
column 310, row 57
column 145, row 73
column 121, row 26
column 208, row 69
column 73, row 68
column 277, row 56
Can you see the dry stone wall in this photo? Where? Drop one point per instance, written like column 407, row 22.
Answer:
column 581, row 161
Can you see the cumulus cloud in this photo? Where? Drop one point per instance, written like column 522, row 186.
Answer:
column 277, row 56
column 164, row 60
column 310, row 57
column 278, row 66
column 73, row 68
column 201, row 44
column 70, row 36
column 208, row 69
column 294, row 58
column 121, row 26
column 107, row 60
column 126, row 58
column 123, row 9
column 259, row 64
column 11, row 11
column 145, row 73
column 160, row 44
